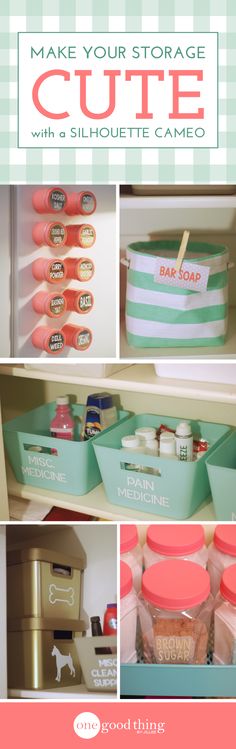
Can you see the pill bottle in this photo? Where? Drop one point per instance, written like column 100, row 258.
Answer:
column 221, row 554
column 49, row 200
column 79, row 338
column 80, row 235
column 148, row 440
column 49, row 340
column 50, row 233
column 128, row 616
column 46, row 269
column 225, row 620
column 167, row 447
column 79, row 268
column 131, row 553
column 79, row 301
column 175, row 608
column 175, row 541
column 83, row 203
column 51, row 303
column 131, row 443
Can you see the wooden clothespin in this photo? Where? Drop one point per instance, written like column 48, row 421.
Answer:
column 182, row 249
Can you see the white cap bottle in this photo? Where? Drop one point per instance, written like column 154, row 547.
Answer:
column 184, row 441
column 147, row 437
column 132, row 443
column 167, row 445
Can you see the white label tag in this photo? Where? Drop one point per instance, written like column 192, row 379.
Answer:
column 190, row 276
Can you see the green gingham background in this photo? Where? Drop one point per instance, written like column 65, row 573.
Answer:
column 137, row 165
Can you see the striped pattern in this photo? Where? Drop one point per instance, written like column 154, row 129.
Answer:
column 158, row 315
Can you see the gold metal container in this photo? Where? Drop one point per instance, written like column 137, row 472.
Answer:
column 42, row 653
column 43, row 583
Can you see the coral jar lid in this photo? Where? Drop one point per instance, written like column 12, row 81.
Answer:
column 225, row 539
column 175, row 539
column 128, row 538
column 126, row 580
column 175, row 584
column 228, row 584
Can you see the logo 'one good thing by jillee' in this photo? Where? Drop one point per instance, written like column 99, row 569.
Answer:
column 88, row 725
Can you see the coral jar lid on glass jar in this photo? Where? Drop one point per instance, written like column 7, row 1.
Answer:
column 170, row 541
column 175, row 608
column 225, row 619
column 221, row 554
column 128, row 616
column 131, row 552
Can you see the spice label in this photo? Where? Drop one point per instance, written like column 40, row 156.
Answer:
column 56, row 271
column 84, row 339
column 86, row 270
column 56, row 342
column 175, row 649
column 57, row 200
column 57, row 234
column 88, row 203
column 190, row 276
column 87, row 235
column 85, row 302
column 57, row 305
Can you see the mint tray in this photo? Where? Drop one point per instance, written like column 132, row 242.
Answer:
column 221, row 466
column 63, row 466
column 179, row 488
column 163, row 680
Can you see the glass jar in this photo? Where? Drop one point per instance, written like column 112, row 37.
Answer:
column 225, row 619
column 221, row 554
column 171, row 541
column 131, row 553
column 128, row 616
column 175, row 607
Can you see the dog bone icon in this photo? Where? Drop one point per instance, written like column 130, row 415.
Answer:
column 61, row 595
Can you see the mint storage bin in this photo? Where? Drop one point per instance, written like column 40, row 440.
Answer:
column 162, row 680
column 178, row 490
column 221, row 466
column 73, row 470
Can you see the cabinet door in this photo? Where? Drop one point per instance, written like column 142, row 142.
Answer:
column 4, row 510
column 3, row 618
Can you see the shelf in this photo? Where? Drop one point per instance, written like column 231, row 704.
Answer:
column 152, row 202
column 78, row 693
column 165, row 680
column 94, row 503
column 138, row 378
column 227, row 351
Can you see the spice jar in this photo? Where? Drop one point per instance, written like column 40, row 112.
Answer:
column 83, row 203
column 80, row 235
column 79, row 301
column 53, row 271
column 49, row 200
column 128, row 616
column 47, row 339
column 221, row 554
column 79, row 268
column 225, row 619
column 175, row 608
column 181, row 541
column 50, row 233
column 49, row 303
column 131, row 553
column 78, row 338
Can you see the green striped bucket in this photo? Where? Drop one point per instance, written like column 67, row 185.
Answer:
column 159, row 315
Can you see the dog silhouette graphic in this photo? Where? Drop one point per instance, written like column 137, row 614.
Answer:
column 61, row 661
